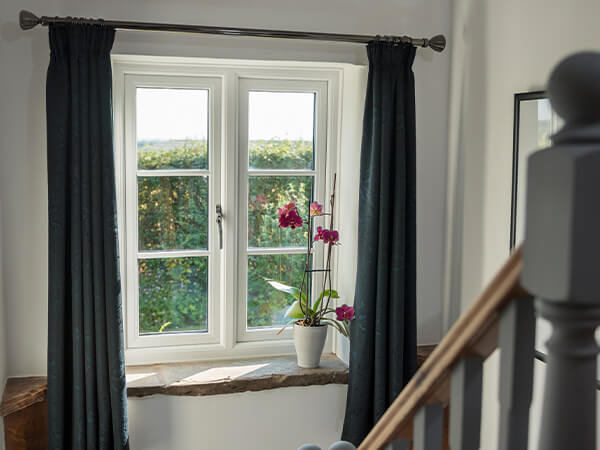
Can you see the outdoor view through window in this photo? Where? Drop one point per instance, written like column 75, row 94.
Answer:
column 280, row 140
column 172, row 130
column 173, row 179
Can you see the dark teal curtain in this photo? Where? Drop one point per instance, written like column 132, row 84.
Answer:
column 383, row 335
column 86, row 371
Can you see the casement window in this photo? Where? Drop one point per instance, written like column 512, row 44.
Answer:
column 205, row 154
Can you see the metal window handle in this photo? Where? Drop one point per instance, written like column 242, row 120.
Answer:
column 220, row 225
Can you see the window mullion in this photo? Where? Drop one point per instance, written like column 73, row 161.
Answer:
column 276, row 250
column 172, row 254
column 230, row 183
column 281, row 173
column 174, row 173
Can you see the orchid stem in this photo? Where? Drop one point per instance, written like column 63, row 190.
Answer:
column 328, row 273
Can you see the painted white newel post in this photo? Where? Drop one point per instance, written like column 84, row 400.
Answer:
column 561, row 255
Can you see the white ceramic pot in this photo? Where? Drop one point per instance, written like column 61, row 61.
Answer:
column 309, row 342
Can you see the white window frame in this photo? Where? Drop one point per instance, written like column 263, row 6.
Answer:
column 227, row 336
column 318, row 172
column 213, row 86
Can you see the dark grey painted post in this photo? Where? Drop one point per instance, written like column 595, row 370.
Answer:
column 398, row 445
column 517, row 349
column 428, row 427
column 465, row 403
column 562, row 250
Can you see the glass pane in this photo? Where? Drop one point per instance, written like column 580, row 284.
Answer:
column 537, row 123
column 281, row 130
column 172, row 128
column 266, row 306
column 266, row 194
column 172, row 213
column 173, row 294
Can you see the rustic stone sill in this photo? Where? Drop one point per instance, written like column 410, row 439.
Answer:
column 209, row 378
column 228, row 377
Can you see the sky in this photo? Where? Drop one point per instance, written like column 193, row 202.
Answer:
column 164, row 114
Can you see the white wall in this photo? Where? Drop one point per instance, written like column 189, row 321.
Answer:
column 24, row 57
column 499, row 48
column 348, row 172
column 2, row 332
column 280, row 419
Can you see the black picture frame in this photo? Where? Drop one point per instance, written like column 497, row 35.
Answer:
column 518, row 98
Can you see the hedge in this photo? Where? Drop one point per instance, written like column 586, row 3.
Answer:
column 173, row 214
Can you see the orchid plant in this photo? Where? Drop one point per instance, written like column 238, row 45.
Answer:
column 303, row 312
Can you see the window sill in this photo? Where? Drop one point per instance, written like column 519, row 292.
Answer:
column 219, row 377
column 228, row 377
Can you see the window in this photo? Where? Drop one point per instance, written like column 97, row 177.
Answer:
column 282, row 143
column 194, row 143
column 172, row 176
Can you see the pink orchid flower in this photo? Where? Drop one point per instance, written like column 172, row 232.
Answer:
column 327, row 236
column 288, row 216
column 345, row 312
column 316, row 209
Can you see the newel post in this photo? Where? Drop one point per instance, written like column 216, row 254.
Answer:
column 561, row 253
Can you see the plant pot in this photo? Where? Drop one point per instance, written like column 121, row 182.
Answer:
column 309, row 343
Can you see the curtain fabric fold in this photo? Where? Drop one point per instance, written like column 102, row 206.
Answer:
column 86, row 371
column 383, row 335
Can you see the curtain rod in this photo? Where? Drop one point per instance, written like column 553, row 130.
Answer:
column 28, row 20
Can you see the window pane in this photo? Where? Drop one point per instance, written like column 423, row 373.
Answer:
column 173, row 294
column 281, row 130
column 172, row 128
column 172, row 213
column 266, row 194
column 266, row 306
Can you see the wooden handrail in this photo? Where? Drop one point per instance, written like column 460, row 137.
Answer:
column 476, row 332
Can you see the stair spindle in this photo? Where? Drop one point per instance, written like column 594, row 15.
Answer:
column 517, row 350
column 465, row 403
column 398, row 445
column 428, row 426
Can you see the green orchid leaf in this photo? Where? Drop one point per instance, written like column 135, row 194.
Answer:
column 294, row 311
column 285, row 288
column 347, row 328
column 337, row 325
column 325, row 293
column 164, row 325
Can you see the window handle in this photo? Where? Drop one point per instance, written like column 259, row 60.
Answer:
column 220, row 225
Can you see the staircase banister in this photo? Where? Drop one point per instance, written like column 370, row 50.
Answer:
column 560, row 254
column 475, row 332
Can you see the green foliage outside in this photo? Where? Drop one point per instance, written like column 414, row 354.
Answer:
column 173, row 292
column 275, row 154
column 173, row 214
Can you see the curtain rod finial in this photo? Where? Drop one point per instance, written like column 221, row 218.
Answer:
column 437, row 43
column 28, row 20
